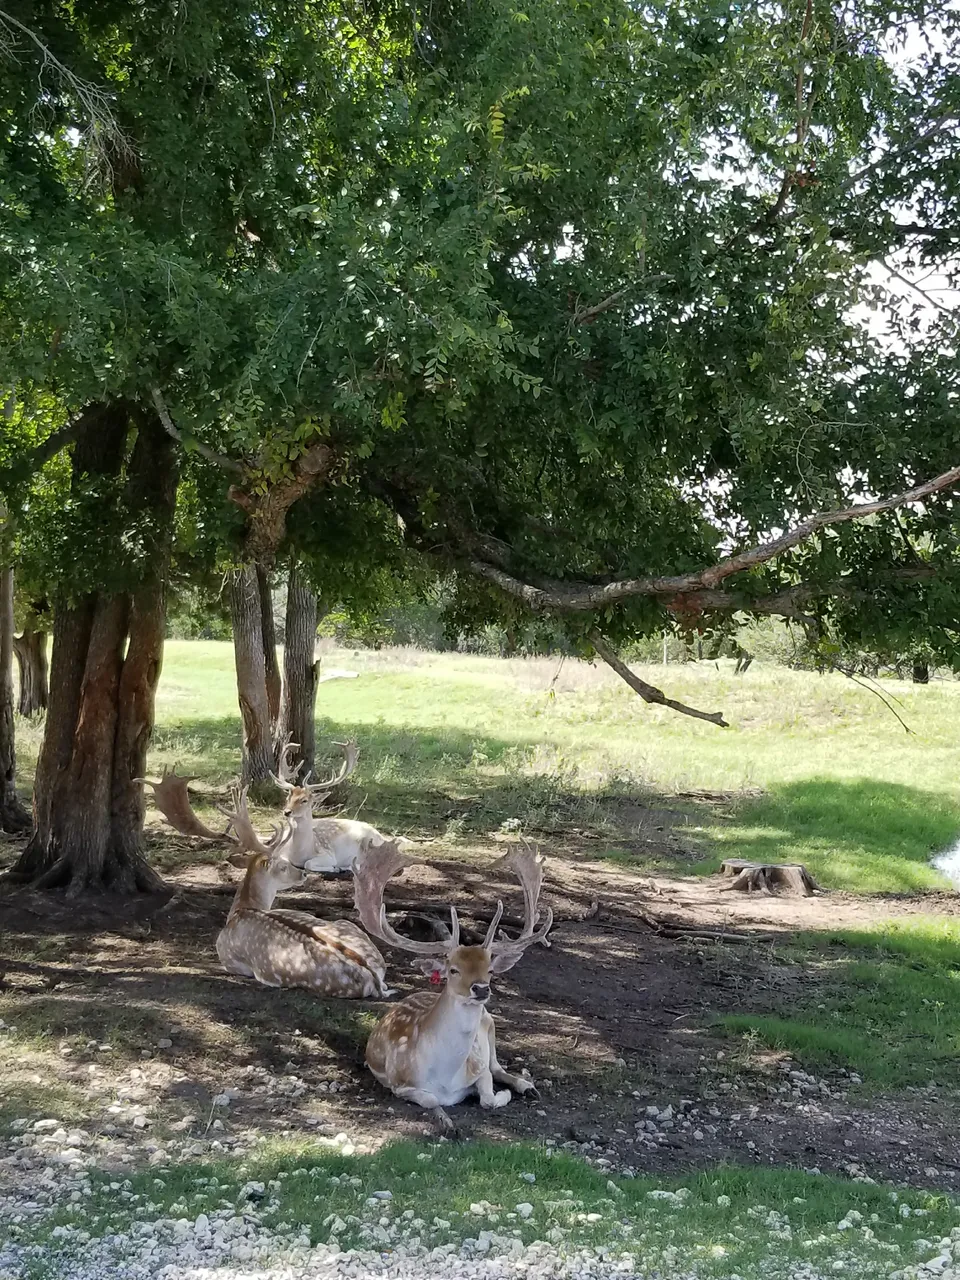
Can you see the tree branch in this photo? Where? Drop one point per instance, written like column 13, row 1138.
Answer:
column 584, row 597
column 648, row 692
column 586, row 315
column 191, row 442
column 104, row 132
column 268, row 511
column 941, row 125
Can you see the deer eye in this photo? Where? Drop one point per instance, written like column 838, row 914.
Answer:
column 454, row 973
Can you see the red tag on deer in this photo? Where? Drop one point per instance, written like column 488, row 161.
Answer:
column 436, row 977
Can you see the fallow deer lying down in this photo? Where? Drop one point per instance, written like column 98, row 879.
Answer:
column 434, row 1048
column 283, row 948
column 325, row 845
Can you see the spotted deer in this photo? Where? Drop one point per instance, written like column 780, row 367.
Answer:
column 326, row 845
column 434, row 1048
column 283, row 948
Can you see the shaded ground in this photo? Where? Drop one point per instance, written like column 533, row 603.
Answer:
column 137, row 1030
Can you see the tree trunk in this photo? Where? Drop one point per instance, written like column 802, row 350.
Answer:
column 13, row 816
column 297, row 710
column 921, row 671
column 248, row 652
column 31, row 654
column 271, row 667
column 107, row 650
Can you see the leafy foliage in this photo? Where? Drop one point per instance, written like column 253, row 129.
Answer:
column 568, row 290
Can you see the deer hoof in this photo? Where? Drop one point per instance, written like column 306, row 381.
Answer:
column 497, row 1100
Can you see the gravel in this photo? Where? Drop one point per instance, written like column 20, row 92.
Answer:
column 48, row 1224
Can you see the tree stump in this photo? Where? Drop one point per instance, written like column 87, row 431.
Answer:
column 768, row 877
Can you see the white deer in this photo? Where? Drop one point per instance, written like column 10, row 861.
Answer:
column 434, row 1048
column 327, row 845
column 283, row 948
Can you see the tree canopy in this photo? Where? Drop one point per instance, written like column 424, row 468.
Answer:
column 549, row 296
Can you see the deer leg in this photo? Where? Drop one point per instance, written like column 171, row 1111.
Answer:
column 488, row 1098
column 519, row 1084
column 422, row 1098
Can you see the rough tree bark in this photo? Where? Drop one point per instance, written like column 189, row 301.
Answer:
column 270, row 665
column 30, row 650
column 249, row 655
column 107, row 652
column 13, row 816
column 297, row 708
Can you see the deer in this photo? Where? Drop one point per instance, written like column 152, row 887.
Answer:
column 283, row 948
column 435, row 1048
column 326, row 845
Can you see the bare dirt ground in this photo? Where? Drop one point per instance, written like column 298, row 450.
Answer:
column 133, row 1022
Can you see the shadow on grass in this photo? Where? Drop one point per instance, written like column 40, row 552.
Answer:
column 884, row 1004
column 420, row 782
column 863, row 835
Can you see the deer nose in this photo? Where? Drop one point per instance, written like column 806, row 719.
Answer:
column 480, row 990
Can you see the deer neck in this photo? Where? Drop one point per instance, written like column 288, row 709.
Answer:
column 255, row 894
column 452, row 1023
column 301, row 839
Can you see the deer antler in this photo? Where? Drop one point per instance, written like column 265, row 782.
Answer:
column 527, row 866
column 246, row 835
column 371, row 871
column 351, row 754
column 172, row 799
column 287, row 776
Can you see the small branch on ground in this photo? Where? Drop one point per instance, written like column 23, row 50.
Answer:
column 648, row 692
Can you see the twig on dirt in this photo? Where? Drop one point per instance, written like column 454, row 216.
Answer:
column 676, row 931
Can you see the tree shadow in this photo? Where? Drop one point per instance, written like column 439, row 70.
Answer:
column 860, row 834
column 425, row 782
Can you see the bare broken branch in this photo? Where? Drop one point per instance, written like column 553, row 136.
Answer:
column 104, row 135
column 649, row 692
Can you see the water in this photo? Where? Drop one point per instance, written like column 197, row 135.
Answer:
column 949, row 863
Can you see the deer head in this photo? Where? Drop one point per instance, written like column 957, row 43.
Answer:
column 467, row 970
column 267, row 874
column 301, row 798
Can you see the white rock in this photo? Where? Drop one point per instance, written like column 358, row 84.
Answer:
column 525, row 1209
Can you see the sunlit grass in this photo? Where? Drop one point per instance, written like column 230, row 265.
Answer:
column 813, row 769
column 750, row 1222
column 883, row 1003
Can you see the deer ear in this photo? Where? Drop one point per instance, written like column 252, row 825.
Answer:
column 238, row 859
column 431, row 965
column 504, row 961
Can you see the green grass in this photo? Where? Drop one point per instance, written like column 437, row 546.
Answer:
column 454, row 745
column 884, row 1004
column 754, row 1222
column 865, row 834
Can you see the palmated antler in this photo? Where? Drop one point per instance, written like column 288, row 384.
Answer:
column 172, row 799
column 371, row 871
column 527, row 865
column 246, row 835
